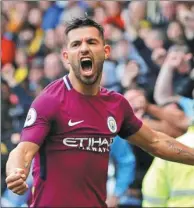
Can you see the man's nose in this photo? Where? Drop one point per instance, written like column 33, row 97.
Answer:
column 84, row 48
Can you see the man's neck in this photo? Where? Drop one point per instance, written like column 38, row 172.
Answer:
column 83, row 88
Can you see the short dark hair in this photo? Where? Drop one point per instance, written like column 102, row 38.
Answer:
column 83, row 22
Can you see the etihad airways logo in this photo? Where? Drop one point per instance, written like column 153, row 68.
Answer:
column 89, row 144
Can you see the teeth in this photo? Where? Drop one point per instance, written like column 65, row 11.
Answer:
column 85, row 59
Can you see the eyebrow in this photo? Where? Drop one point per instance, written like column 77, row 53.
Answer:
column 87, row 39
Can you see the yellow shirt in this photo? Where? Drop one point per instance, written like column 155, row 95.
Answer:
column 170, row 184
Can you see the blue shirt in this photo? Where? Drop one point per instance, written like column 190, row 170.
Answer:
column 122, row 154
column 51, row 17
column 188, row 106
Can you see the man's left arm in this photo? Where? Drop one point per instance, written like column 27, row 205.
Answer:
column 162, row 145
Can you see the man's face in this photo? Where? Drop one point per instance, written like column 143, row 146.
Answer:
column 168, row 9
column 86, row 53
column 153, row 41
column 174, row 31
column 137, row 100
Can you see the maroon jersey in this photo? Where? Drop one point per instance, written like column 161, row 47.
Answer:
column 74, row 132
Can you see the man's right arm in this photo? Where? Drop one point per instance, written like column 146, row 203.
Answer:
column 18, row 166
column 36, row 128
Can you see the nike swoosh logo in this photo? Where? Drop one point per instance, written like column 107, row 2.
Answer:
column 70, row 123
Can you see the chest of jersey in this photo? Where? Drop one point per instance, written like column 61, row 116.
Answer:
column 88, row 115
column 87, row 123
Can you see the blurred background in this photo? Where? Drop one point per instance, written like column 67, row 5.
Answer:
column 152, row 64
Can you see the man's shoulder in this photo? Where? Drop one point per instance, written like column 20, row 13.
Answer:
column 111, row 94
column 52, row 93
column 54, row 87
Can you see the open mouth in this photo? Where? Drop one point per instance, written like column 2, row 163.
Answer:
column 86, row 65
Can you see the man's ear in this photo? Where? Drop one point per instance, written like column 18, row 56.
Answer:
column 107, row 50
column 65, row 56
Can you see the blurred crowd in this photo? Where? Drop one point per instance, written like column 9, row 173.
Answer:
column 151, row 63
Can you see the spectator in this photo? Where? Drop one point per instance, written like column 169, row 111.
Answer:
column 128, row 74
column 153, row 41
column 158, row 56
column 71, row 10
column 35, row 19
column 26, row 35
column 137, row 12
column 159, row 118
column 59, row 33
column 20, row 98
column 50, row 40
column 175, row 33
column 121, row 173
column 100, row 14
column 51, row 14
column 52, row 66
column 110, row 80
column 113, row 10
column 168, row 184
column 166, row 14
column 186, row 17
column 17, row 16
column 122, row 52
column 167, row 9
column 22, row 65
column 175, row 71
column 36, row 74
column 7, row 44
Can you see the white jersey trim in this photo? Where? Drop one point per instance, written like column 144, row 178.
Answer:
column 66, row 82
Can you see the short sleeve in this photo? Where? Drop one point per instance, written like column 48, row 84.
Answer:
column 131, row 124
column 38, row 120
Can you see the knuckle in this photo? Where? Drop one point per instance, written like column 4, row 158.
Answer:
column 22, row 191
column 7, row 179
column 20, row 181
column 10, row 186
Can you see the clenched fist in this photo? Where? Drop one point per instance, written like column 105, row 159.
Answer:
column 16, row 181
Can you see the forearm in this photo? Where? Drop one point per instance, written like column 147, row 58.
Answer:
column 19, row 158
column 163, row 126
column 154, row 124
column 163, row 88
column 155, row 111
column 170, row 117
column 168, row 148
